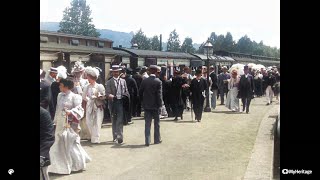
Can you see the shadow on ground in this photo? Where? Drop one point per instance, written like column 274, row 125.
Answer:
column 129, row 146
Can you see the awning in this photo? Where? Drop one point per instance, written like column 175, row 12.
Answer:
column 196, row 63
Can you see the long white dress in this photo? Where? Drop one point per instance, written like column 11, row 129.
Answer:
column 67, row 154
column 94, row 110
column 232, row 101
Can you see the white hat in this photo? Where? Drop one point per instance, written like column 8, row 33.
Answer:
column 53, row 70
column 78, row 67
column 62, row 72
column 115, row 68
column 92, row 71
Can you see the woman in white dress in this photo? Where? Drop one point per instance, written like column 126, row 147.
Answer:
column 232, row 100
column 94, row 95
column 67, row 153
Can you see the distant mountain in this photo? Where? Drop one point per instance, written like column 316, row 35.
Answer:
column 118, row 38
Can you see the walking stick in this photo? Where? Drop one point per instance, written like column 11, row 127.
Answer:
column 191, row 110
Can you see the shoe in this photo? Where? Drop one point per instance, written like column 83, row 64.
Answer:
column 222, row 104
column 147, row 144
column 158, row 142
column 268, row 104
column 120, row 141
column 175, row 118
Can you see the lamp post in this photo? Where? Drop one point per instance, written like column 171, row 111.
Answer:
column 208, row 49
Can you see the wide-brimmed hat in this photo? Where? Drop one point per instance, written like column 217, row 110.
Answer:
column 78, row 67
column 53, row 70
column 115, row 68
column 92, row 71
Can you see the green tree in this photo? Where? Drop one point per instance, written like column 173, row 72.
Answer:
column 155, row 43
column 76, row 20
column 228, row 43
column 244, row 45
column 187, row 45
column 141, row 40
column 174, row 42
column 218, row 43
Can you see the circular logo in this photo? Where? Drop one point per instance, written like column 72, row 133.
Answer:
column 284, row 171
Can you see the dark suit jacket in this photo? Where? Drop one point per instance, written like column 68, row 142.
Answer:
column 111, row 89
column 246, row 87
column 46, row 133
column 214, row 80
column 151, row 93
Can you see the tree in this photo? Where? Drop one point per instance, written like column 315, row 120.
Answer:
column 174, row 42
column 141, row 40
column 218, row 43
column 187, row 46
column 228, row 43
column 155, row 43
column 244, row 45
column 76, row 20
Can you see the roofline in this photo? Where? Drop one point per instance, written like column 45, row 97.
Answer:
column 74, row 50
column 153, row 56
column 73, row 35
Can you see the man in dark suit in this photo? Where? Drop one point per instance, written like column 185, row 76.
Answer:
column 133, row 91
column 46, row 141
column 214, row 88
column 116, row 89
column 197, row 87
column 138, row 78
column 151, row 93
column 246, row 89
column 223, row 83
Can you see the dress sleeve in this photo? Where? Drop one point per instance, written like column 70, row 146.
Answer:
column 102, row 92
column 77, row 110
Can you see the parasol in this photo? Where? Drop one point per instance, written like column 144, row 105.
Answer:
column 238, row 67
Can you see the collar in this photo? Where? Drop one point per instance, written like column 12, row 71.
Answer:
column 117, row 79
column 152, row 75
column 66, row 93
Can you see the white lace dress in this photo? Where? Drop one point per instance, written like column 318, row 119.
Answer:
column 67, row 154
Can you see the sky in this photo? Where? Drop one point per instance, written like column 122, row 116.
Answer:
column 258, row 19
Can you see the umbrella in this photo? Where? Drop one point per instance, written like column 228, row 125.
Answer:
column 258, row 67
column 238, row 67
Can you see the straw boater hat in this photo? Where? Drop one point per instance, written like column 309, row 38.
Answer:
column 78, row 67
column 53, row 70
column 115, row 68
column 92, row 71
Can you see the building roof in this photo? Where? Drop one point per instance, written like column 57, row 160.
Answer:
column 215, row 58
column 157, row 54
column 80, row 49
column 43, row 32
column 268, row 62
column 245, row 60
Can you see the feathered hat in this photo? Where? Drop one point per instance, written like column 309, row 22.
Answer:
column 78, row 67
column 62, row 72
column 92, row 71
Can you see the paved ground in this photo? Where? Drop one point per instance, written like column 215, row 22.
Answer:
column 220, row 147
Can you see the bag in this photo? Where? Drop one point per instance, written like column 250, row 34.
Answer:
column 44, row 161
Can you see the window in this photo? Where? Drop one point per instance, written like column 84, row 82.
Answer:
column 43, row 39
column 75, row 42
column 100, row 44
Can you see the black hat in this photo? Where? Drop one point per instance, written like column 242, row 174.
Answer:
column 198, row 71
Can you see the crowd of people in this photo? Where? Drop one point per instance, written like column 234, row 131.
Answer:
column 73, row 106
